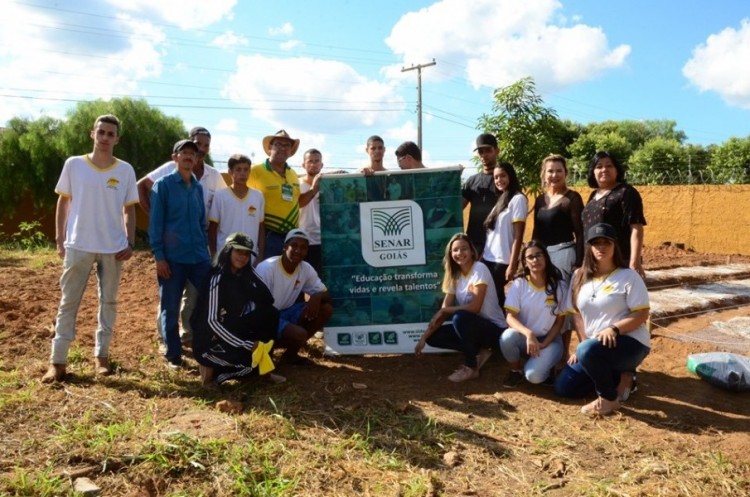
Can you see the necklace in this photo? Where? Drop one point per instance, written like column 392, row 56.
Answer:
column 595, row 289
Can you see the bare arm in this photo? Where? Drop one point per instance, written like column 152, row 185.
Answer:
column 515, row 249
column 435, row 323
column 213, row 230
column 636, row 248
column 144, row 193
column 61, row 221
column 306, row 198
column 128, row 216
column 608, row 336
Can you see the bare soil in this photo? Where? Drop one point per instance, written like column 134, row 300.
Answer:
column 676, row 436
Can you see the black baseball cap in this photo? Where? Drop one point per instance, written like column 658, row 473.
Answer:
column 199, row 130
column 601, row 230
column 486, row 140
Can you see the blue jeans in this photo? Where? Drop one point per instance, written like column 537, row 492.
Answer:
column 170, row 295
column 536, row 369
column 598, row 368
column 468, row 333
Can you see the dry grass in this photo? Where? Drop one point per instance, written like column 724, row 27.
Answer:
column 148, row 431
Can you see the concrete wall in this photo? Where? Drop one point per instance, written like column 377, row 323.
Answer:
column 705, row 218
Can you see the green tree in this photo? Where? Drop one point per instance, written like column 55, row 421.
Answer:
column 526, row 130
column 730, row 161
column 621, row 138
column 146, row 136
column 659, row 161
column 30, row 154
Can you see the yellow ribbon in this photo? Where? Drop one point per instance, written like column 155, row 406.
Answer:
column 262, row 357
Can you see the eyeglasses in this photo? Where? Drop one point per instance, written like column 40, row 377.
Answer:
column 281, row 144
column 533, row 257
column 399, row 159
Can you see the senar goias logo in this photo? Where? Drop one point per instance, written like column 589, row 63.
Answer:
column 392, row 233
column 113, row 183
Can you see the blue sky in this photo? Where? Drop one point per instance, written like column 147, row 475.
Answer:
column 329, row 72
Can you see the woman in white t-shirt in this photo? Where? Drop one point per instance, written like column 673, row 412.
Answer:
column 535, row 311
column 475, row 319
column 505, row 225
column 611, row 306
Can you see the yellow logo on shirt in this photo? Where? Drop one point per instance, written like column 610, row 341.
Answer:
column 550, row 300
column 113, row 183
column 609, row 288
column 251, row 210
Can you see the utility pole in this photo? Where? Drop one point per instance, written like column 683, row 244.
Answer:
column 419, row 67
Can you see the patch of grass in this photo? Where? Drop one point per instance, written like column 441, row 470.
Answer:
column 35, row 483
column 13, row 390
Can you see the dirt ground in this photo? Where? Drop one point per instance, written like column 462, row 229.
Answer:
column 674, row 417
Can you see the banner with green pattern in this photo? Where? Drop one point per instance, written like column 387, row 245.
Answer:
column 383, row 238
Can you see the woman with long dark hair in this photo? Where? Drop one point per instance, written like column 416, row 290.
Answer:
column 470, row 303
column 535, row 311
column 611, row 306
column 505, row 225
column 233, row 316
column 618, row 204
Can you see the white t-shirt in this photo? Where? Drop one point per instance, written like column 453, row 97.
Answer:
column 95, row 219
column 212, row 181
column 309, row 215
column 285, row 287
column 233, row 214
column 500, row 238
column 533, row 307
column 479, row 274
column 603, row 301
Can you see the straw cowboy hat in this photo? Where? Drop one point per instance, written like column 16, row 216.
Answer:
column 280, row 134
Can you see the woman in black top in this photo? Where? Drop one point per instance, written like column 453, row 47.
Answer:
column 233, row 314
column 618, row 204
column 557, row 217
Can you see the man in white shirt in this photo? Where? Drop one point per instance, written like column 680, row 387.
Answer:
column 309, row 217
column 286, row 276
column 95, row 225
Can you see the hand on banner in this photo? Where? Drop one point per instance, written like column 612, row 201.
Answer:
column 420, row 346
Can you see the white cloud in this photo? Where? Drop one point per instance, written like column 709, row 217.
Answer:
column 230, row 39
column 497, row 42
column 285, row 29
column 187, row 14
column 311, row 95
column 721, row 65
column 41, row 60
column 291, row 45
column 227, row 125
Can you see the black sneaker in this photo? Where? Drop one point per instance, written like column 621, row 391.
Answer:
column 513, row 379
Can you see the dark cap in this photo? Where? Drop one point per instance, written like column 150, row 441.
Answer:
column 601, row 230
column 199, row 130
column 180, row 145
column 486, row 140
column 240, row 241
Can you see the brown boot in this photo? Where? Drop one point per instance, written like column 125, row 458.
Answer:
column 102, row 366
column 55, row 372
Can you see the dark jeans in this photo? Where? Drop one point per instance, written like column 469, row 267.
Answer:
column 498, row 276
column 314, row 258
column 598, row 368
column 170, row 295
column 468, row 333
column 274, row 244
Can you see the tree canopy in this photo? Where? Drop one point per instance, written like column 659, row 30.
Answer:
column 32, row 152
column 652, row 151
